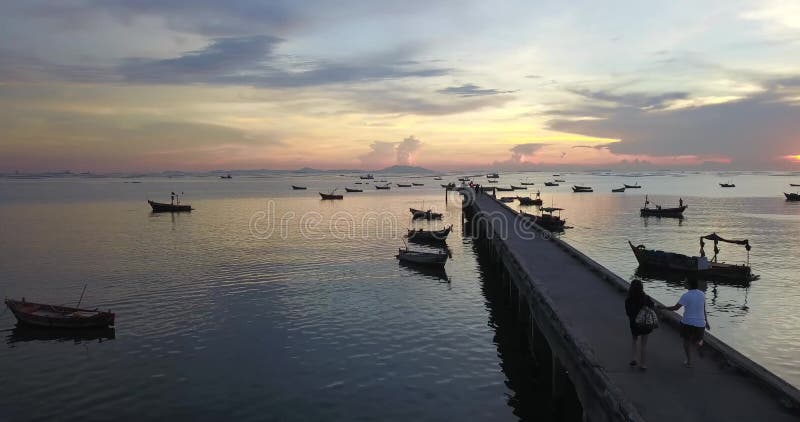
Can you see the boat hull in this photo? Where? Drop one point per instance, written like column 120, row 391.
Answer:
column 51, row 316
column 328, row 196
column 689, row 265
column 663, row 212
column 160, row 207
column 422, row 258
column 792, row 196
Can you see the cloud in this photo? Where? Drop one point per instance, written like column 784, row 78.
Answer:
column 634, row 99
column 519, row 152
column 381, row 152
column 471, row 90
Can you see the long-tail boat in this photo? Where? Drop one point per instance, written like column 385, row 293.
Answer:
column 53, row 316
column 550, row 184
column 437, row 259
column 578, row 189
column 429, row 236
column 161, row 207
column 352, row 190
column 427, row 215
column 547, row 220
column 295, row 187
column 659, row 211
column 331, row 195
column 698, row 266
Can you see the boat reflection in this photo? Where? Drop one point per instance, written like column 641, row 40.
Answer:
column 678, row 278
column 26, row 333
column 435, row 273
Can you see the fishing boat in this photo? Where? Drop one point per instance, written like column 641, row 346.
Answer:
column 727, row 185
column 636, row 186
column 559, row 180
column 352, row 190
column 382, row 187
column 161, row 207
column 526, row 183
column 493, row 181
column 464, row 179
column 492, row 176
column 525, row 200
column 367, row 177
column 792, row 196
column 499, row 189
column 295, row 187
column 449, row 186
column 622, row 189
column 418, row 184
column 429, row 236
column 435, row 259
column 331, row 195
column 508, row 199
column 427, row 215
column 579, row 189
column 437, row 178
column 547, row 219
column 228, row 176
column 403, row 185
column 659, row 211
column 518, row 187
column 794, row 184
column 53, row 316
column 699, row 266
column 550, row 184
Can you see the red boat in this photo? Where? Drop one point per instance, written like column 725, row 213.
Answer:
column 53, row 316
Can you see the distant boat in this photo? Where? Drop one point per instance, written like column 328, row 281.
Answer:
column 54, row 316
column 492, row 181
column 367, row 177
column 622, row 189
column 508, row 199
column 547, row 220
column 295, row 187
column 579, row 189
column 427, row 215
column 695, row 265
column 226, row 177
column 556, row 175
column 437, row 178
column 352, row 190
column 161, row 207
column 384, row 187
column 331, row 195
column 794, row 184
column 559, row 180
column 727, row 185
column 526, row 200
column 359, row 183
column 499, row 189
column 526, row 183
column 636, row 186
column 429, row 236
column 792, row 196
column 550, row 184
column 403, row 185
column 449, row 186
column 518, row 187
column 463, row 179
column 438, row 259
column 658, row 211
column 418, row 184
column 492, row 176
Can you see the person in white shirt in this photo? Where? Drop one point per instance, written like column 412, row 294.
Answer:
column 695, row 319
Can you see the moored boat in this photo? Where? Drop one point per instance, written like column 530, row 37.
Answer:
column 228, row 176
column 550, row 184
column 508, row 199
column 518, row 187
column 403, row 185
column 383, row 187
column 794, row 184
column 492, row 176
column 547, row 219
column 53, row 316
column 295, row 187
column 526, row 183
column 161, row 207
column 331, row 196
column 429, row 236
column 435, row 259
column 559, row 180
column 792, row 196
column 698, row 266
column 636, row 186
column 418, row 184
column 352, row 190
column 622, row 189
column 727, row 185
column 449, row 186
column 499, row 189
column 578, row 189
column 367, row 177
column 526, row 200
column 428, row 215
column 659, row 211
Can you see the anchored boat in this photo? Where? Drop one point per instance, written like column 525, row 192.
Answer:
column 525, row 200
column 427, row 215
column 330, row 196
column 429, row 236
column 53, row 316
column 295, row 187
column 659, row 211
column 434, row 259
column 792, row 196
column 578, row 189
column 352, row 190
column 173, row 207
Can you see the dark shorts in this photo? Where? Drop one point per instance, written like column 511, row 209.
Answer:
column 692, row 333
column 637, row 331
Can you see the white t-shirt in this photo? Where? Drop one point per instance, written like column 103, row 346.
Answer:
column 693, row 302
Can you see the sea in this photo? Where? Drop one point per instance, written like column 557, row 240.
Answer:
column 268, row 303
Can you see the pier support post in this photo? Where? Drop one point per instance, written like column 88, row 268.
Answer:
column 559, row 380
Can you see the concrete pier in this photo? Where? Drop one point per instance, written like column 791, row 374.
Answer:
column 576, row 308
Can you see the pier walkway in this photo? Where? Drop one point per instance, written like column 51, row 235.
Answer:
column 579, row 307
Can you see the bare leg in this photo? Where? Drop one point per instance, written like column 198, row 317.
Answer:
column 687, row 350
column 643, row 360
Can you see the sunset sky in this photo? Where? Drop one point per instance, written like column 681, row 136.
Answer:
column 146, row 85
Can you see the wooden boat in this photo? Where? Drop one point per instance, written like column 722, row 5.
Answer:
column 427, row 215
column 403, row 185
column 518, row 187
column 360, row 183
column 698, row 266
column 437, row 259
column 622, row 189
column 524, row 200
column 727, row 185
column 352, row 190
column 504, row 189
column 492, row 181
column 658, row 211
column 559, row 180
column 578, row 189
column 449, row 186
column 418, row 184
column 464, row 179
column 547, row 220
column 508, row 199
column 367, row 177
column 792, row 196
column 794, row 184
column 550, row 184
column 161, row 207
column 492, row 176
column 636, row 186
column 295, row 187
column 226, row 177
column 526, row 183
column 331, row 195
column 429, row 236
column 437, row 178
column 384, row 187
column 53, row 316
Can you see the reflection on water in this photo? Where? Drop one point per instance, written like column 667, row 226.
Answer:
column 25, row 333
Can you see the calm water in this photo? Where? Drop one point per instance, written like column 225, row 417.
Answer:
column 269, row 303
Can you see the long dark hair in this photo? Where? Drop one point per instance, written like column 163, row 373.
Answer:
column 636, row 291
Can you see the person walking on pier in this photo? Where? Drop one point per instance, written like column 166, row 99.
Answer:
column 695, row 318
column 634, row 303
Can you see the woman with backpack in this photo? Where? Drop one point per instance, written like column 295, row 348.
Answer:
column 642, row 318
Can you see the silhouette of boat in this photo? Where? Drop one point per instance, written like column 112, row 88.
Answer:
column 429, row 236
column 427, row 215
column 622, row 189
column 492, row 176
column 658, row 211
column 547, row 220
column 384, row 187
column 433, row 259
column 499, row 189
column 418, row 184
column 228, row 176
column 518, row 187
column 727, row 185
column 367, row 177
column 550, row 184
column 636, row 186
column 579, row 189
column 299, row 187
column 403, row 185
column 792, row 196
column 331, row 195
column 524, row 200
column 53, row 316
column 508, row 199
column 352, row 190
column 161, row 207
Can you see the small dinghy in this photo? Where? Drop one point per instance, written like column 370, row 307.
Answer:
column 352, row 190
column 437, row 259
column 427, row 215
column 403, row 185
column 299, row 187
column 617, row 190
column 579, row 189
column 550, row 184
column 418, row 184
column 331, row 195
column 382, row 187
column 53, row 316
column 161, row 207
column 429, row 236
